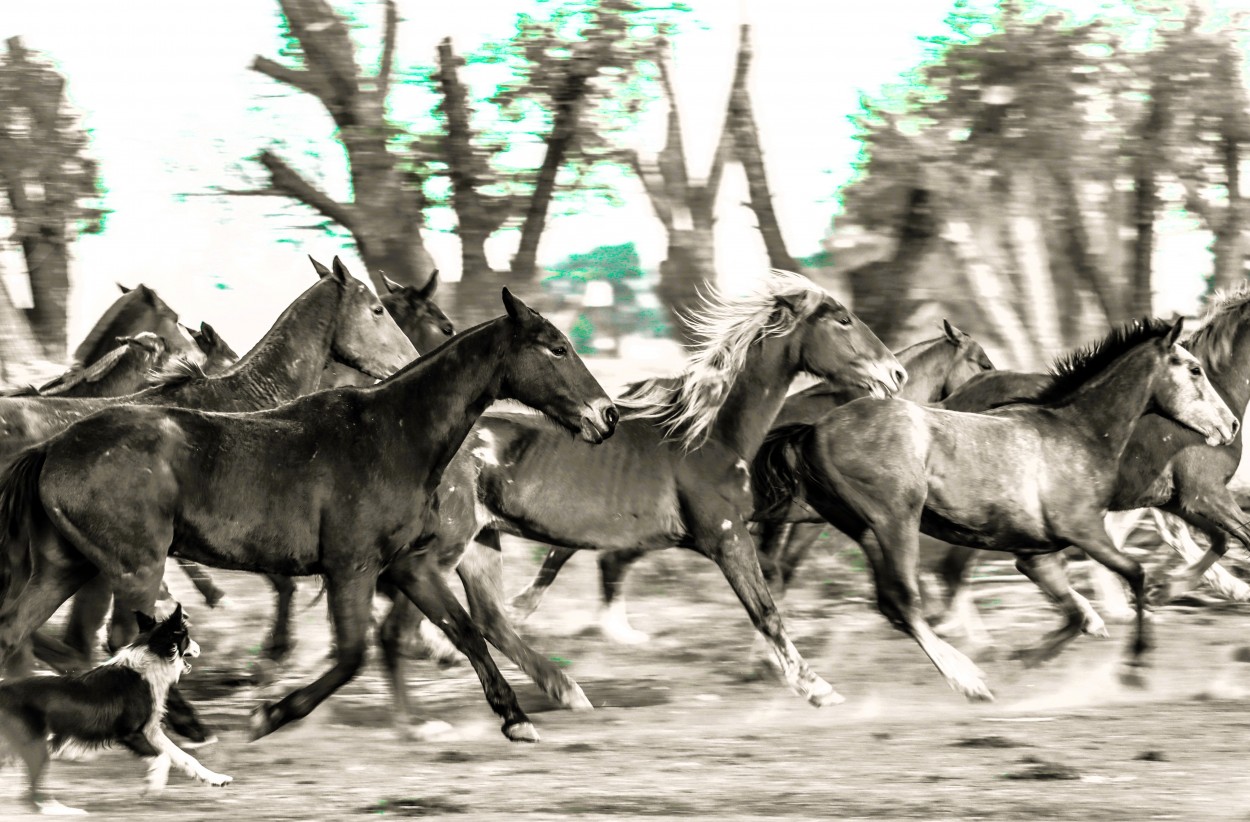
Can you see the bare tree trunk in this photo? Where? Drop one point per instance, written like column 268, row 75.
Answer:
column 882, row 289
column 747, row 150
column 1146, row 206
column 1078, row 249
column 47, row 261
column 385, row 215
column 1229, row 246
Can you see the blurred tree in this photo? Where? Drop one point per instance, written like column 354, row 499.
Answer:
column 686, row 205
column 52, row 192
column 1042, row 144
column 387, row 211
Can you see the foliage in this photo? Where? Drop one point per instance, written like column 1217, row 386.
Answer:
column 607, row 262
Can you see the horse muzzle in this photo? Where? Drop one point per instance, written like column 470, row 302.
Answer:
column 1224, row 433
column 599, row 421
column 884, row 379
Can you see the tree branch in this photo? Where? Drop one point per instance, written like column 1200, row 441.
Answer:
column 653, row 183
column 305, row 81
column 672, row 159
column 288, row 181
column 724, row 148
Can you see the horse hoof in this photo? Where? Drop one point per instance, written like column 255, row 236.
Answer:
column 575, row 699
column 821, row 694
column 431, row 730
column 521, row 732
column 979, row 692
column 261, row 723
column 625, row 635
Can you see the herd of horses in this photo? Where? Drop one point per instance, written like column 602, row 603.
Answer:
column 333, row 449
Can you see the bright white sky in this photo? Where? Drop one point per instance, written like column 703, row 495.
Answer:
column 166, row 90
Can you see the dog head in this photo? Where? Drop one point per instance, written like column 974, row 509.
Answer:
column 169, row 640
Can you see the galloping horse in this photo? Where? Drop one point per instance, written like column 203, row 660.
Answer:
column 135, row 311
column 339, row 483
column 1168, row 466
column 337, row 318
column 674, row 474
column 1029, row 478
column 935, row 368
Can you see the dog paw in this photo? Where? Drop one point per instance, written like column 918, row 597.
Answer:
column 216, row 780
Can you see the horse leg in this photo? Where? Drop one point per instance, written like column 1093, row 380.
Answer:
column 1047, row 572
column 1110, row 592
column 1219, row 518
column 87, row 613
column 400, row 620
column 202, row 580
column 1176, row 533
column 481, row 573
column 350, row 598
column 898, row 597
column 422, row 581
column 1095, row 542
column 722, row 536
column 527, row 601
column 613, row 619
column 958, row 614
column 57, row 572
column 280, row 643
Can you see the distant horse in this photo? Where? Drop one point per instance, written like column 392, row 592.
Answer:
column 1168, row 466
column 935, row 368
column 416, row 313
column 218, row 355
column 337, row 318
column 674, row 474
column 339, row 483
column 124, row 370
column 1029, row 478
column 135, row 311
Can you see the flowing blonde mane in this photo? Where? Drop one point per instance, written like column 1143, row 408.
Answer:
column 684, row 406
column 1213, row 342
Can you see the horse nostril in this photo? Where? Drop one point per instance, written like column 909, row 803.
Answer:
column 1236, row 425
column 611, row 416
column 900, row 376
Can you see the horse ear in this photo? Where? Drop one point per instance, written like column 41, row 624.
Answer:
column 321, row 270
column 1174, row 333
column 209, row 334
column 339, row 271
column 149, row 296
column 952, row 333
column 516, row 309
column 146, row 623
column 123, row 288
column 391, row 285
column 431, row 285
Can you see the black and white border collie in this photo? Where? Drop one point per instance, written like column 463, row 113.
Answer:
column 120, row 702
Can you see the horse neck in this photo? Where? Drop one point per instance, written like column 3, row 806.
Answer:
column 755, row 398
column 288, row 361
column 1110, row 404
column 437, row 399
column 926, row 370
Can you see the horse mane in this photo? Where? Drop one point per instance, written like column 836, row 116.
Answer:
column 1213, row 342
column 726, row 327
column 79, row 375
column 124, row 308
column 177, row 371
column 1072, row 370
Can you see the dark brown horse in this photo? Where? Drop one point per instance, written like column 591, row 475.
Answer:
column 416, row 313
column 338, row 318
column 935, row 368
column 135, row 311
column 674, row 474
column 339, row 483
column 1029, row 478
column 218, row 355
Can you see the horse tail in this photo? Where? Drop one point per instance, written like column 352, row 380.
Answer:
column 19, row 489
column 780, row 467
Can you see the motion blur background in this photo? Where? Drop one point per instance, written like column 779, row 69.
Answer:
column 1029, row 170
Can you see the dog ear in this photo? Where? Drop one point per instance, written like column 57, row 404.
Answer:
column 146, row 623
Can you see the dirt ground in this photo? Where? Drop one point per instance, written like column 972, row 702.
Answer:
column 683, row 726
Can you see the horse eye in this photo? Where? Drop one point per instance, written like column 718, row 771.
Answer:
column 845, row 320
column 377, row 309
column 1195, row 370
column 559, row 351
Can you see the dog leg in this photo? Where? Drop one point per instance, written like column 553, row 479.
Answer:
column 158, row 775
column 185, row 762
